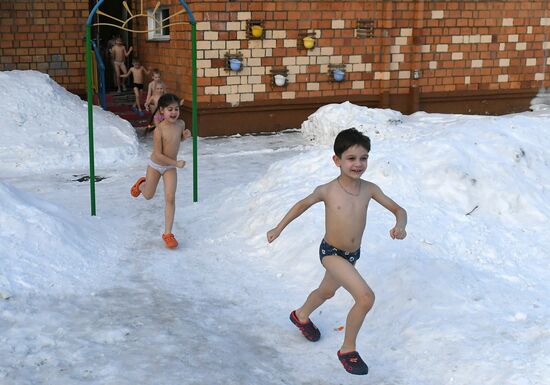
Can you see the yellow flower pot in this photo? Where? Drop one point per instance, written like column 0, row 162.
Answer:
column 257, row 31
column 309, row 42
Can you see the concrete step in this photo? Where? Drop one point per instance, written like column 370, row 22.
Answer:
column 121, row 104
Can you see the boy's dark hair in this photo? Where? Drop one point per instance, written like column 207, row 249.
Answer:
column 164, row 101
column 155, row 71
column 348, row 138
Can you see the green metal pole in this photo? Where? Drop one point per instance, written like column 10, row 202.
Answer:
column 194, row 112
column 90, row 115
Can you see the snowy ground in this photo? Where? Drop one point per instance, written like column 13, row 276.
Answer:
column 98, row 300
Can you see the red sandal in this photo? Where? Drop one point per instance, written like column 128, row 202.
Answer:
column 135, row 191
column 170, row 241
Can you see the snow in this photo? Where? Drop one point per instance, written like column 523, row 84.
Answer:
column 39, row 115
column 99, row 300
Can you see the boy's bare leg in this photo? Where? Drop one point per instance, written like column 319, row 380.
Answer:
column 117, row 75
column 136, row 94
column 170, row 178
column 317, row 297
column 346, row 275
column 149, row 187
column 124, row 72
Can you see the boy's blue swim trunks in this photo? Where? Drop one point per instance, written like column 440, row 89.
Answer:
column 326, row 249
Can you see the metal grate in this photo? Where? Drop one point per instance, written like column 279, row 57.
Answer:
column 365, row 28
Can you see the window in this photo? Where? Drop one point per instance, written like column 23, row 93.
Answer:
column 157, row 28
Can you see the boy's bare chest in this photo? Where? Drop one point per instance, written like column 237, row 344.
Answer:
column 349, row 206
column 118, row 50
column 138, row 73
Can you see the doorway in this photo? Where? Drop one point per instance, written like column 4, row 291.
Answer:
column 104, row 36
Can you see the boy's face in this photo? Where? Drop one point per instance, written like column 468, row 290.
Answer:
column 156, row 77
column 137, row 65
column 354, row 161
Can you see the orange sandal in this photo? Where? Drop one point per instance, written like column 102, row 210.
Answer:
column 170, row 241
column 135, row 191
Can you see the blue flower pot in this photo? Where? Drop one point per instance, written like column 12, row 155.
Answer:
column 235, row 64
column 338, row 75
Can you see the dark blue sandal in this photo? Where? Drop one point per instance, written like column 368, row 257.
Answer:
column 353, row 363
column 308, row 329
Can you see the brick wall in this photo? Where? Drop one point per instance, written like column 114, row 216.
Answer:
column 417, row 48
column 433, row 46
column 476, row 45
column 172, row 57
column 45, row 36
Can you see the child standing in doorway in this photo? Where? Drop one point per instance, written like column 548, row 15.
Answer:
column 163, row 162
column 346, row 200
column 138, row 73
column 119, row 55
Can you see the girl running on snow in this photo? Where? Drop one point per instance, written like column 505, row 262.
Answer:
column 163, row 161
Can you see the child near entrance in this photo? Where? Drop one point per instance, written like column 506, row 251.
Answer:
column 346, row 200
column 152, row 103
column 163, row 162
column 155, row 90
column 118, row 56
column 138, row 73
column 151, row 88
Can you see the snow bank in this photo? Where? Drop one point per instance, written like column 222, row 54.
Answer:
column 470, row 162
column 43, row 127
column 45, row 249
column 541, row 101
column 470, row 280
column 322, row 126
column 463, row 299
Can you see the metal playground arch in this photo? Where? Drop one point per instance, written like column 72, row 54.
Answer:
column 123, row 24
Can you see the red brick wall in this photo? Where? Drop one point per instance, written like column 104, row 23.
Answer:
column 45, row 36
column 477, row 45
column 451, row 45
column 172, row 57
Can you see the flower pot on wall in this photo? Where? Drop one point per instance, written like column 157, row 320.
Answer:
column 309, row 42
column 235, row 64
column 257, row 31
column 280, row 80
column 338, row 75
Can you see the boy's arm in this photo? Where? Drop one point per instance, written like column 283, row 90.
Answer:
column 127, row 73
column 126, row 53
column 398, row 231
column 298, row 209
column 149, row 95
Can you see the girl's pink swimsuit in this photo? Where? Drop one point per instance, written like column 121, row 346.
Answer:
column 158, row 117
